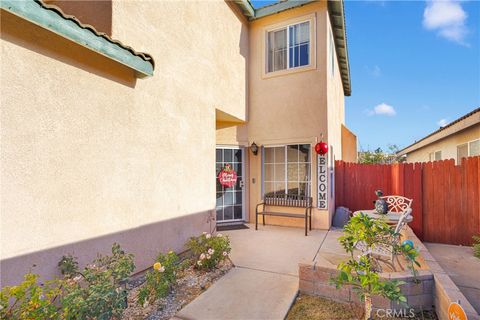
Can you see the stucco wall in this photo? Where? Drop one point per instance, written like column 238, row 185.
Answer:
column 90, row 155
column 448, row 145
column 336, row 118
column 288, row 108
column 349, row 145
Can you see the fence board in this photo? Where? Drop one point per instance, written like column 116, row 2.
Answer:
column 446, row 198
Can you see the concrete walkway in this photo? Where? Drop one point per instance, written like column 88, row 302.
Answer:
column 264, row 282
column 462, row 267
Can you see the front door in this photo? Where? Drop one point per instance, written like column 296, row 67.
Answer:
column 230, row 200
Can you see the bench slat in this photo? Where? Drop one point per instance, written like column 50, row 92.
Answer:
column 282, row 214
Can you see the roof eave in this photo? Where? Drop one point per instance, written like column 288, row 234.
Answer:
column 337, row 18
column 280, row 7
column 468, row 122
column 33, row 12
column 246, row 8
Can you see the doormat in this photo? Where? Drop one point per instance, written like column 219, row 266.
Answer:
column 232, row 227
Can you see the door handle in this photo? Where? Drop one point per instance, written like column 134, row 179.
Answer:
column 242, row 184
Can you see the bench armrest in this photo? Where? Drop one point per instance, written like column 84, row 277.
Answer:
column 260, row 204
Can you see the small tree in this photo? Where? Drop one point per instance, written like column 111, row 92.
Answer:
column 362, row 273
column 379, row 156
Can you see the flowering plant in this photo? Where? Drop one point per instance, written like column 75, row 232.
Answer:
column 209, row 250
column 160, row 279
column 30, row 300
column 98, row 291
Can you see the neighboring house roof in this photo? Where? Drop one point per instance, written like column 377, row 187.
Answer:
column 337, row 18
column 54, row 19
column 455, row 126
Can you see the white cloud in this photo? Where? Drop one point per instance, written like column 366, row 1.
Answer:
column 375, row 72
column 383, row 109
column 448, row 18
column 442, row 122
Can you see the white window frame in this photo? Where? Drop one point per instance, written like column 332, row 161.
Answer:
column 431, row 155
column 456, row 149
column 474, row 140
column 311, row 18
column 468, row 148
column 309, row 182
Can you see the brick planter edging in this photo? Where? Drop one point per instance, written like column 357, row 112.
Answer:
column 445, row 290
column 314, row 279
column 434, row 289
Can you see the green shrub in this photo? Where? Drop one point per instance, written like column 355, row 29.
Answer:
column 30, row 300
column 362, row 273
column 98, row 291
column 209, row 250
column 476, row 246
column 68, row 266
column 160, row 279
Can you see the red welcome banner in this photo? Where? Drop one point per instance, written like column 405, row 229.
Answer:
column 227, row 177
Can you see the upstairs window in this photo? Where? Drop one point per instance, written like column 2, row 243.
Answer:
column 288, row 47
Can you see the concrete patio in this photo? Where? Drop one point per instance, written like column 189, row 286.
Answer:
column 264, row 282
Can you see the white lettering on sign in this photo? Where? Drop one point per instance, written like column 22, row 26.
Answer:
column 322, row 200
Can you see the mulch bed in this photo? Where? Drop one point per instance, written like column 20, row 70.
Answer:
column 316, row 308
column 190, row 284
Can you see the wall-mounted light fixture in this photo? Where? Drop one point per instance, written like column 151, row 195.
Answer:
column 254, row 148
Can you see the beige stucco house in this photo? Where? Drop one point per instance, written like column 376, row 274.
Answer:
column 103, row 143
column 458, row 139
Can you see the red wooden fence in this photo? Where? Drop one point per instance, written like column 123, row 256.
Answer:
column 445, row 196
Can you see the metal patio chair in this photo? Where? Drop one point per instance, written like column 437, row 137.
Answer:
column 385, row 250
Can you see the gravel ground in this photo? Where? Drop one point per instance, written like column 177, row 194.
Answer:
column 190, row 284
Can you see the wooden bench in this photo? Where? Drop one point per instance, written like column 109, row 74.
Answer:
column 286, row 201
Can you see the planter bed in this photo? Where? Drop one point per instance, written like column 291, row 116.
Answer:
column 318, row 308
column 190, row 284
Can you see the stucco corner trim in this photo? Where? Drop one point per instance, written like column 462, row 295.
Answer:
column 54, row 20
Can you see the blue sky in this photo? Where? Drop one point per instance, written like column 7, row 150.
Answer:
column 415, row 65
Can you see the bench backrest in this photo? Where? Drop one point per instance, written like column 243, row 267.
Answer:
column 397, row 203
column 288, row 201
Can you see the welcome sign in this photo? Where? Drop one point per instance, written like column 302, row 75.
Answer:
column 322, row 200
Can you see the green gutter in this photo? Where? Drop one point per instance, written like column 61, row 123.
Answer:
column 279, row 7
column 337, row 19
column 246, row 7
column 52, row 21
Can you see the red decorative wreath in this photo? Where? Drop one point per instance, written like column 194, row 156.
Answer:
column 227, row 177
